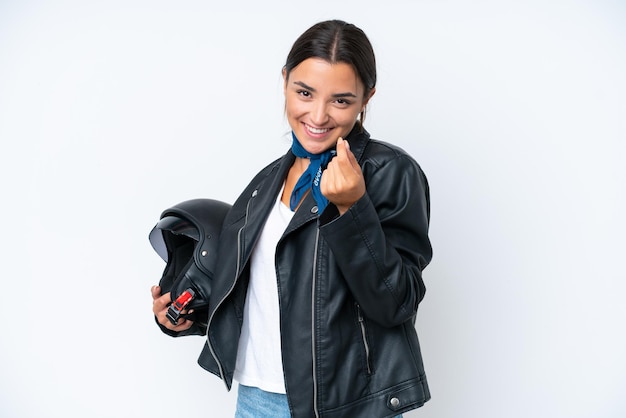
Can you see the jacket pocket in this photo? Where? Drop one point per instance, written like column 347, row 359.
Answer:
column 364, row 339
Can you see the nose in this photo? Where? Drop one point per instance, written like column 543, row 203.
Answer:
column 319, row 113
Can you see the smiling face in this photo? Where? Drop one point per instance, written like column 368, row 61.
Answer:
column 322, row 102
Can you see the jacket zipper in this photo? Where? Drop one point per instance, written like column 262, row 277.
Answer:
column 315, row 406
column 239, row 250
column 364, row 337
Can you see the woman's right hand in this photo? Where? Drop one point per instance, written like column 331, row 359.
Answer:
column 160, row 304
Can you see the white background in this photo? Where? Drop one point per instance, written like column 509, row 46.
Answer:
column 111, row 112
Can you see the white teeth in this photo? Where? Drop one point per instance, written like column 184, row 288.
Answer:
column 317, row 130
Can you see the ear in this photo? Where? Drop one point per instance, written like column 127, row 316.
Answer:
column 284, row 79
column 369, row 96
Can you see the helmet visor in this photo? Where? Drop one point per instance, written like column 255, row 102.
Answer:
column 175, row 226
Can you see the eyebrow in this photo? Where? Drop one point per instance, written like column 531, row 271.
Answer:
column 336, row 95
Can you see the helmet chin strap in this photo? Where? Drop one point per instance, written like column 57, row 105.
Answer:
column 175, row 310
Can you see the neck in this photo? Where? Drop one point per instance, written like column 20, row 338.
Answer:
column 301, row 163
column 299, row 166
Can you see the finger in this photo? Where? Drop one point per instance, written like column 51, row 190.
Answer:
column 182, row 325
column 340, row 147
column 345, row 154
column 156, row 292
column 351, row 157
column 161, row 303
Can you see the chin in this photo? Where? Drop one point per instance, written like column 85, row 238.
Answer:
column 316, row 148
column 316, row 145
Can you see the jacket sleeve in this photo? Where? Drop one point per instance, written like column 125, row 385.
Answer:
column 196, row 329
column 381, row 243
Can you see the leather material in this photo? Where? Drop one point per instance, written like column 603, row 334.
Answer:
column 349, row 288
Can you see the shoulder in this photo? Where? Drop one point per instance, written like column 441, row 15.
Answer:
column 372, row 151
column 378, row 154
column 375, row 148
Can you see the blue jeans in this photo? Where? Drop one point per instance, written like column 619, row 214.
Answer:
column 256, row 403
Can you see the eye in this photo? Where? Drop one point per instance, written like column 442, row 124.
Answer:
column 343, row 103
column 304, row 93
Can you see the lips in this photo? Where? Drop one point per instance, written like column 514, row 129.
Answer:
column 316, row 131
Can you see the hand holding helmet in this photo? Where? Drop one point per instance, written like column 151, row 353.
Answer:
column 160, row 307
column 186, row 238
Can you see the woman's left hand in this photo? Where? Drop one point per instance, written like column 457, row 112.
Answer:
column 160, row 305
column 342, row 182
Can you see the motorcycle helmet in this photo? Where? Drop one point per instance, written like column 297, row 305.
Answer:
column 186, row 238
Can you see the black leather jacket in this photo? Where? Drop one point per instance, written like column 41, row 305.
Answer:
column 349, row 287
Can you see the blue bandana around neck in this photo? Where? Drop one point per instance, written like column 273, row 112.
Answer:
column 311, row 177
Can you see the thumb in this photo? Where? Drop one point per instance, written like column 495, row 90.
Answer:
column 340, row 147
column 156, row 292
column 347, row 152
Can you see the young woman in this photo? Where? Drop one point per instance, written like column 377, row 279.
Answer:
column 319, row 273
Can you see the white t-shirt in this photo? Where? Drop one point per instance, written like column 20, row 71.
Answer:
column 259, row 360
